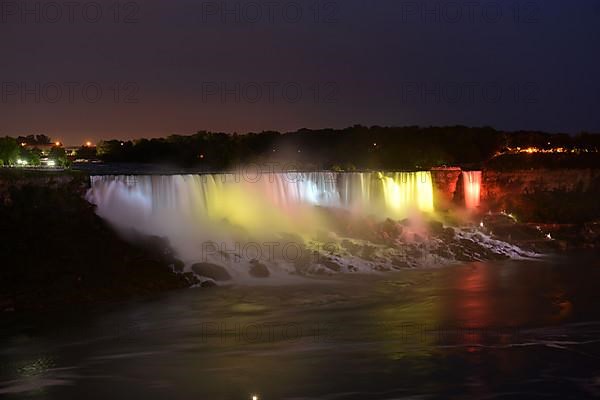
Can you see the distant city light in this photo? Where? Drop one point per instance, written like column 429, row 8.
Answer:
column 51, row 163
column 533, row 150
column 88, row 144
column 254, row 397
column 57, row 143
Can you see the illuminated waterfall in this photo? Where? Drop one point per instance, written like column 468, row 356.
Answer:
column 274, row 201
column 472, row 188
column 193, row 210
column 268, row 200
column 406, row 190
column 233, row 222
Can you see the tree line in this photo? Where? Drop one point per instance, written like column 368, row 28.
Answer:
column 353, row 148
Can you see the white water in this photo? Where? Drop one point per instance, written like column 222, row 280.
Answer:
column 278, row 219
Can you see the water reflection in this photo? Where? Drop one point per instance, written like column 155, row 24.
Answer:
column 479, row 330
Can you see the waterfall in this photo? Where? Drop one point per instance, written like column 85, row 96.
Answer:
column 472, row 188
column 243, row 213
column 231, row 197
column 293, row 223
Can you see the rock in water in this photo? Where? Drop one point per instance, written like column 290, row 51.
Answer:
column 259, row 270
column 332, row 265
column 208, row 284
column 212, row 271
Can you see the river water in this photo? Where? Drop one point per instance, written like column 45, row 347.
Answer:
column 511, row 329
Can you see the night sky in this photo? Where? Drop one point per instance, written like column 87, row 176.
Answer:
column 180, row 66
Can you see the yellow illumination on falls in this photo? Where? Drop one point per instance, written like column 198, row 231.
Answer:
column 408, row 190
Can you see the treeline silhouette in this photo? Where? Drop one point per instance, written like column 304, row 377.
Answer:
column 357, row 147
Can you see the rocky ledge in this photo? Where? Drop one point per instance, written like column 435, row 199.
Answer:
column 56, row 251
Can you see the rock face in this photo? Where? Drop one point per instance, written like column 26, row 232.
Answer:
column 212, row 271
column 500, row 184
column 444, row 186
column 15, row 179
column 258, row 270
column 544, row 195
column 57, row 251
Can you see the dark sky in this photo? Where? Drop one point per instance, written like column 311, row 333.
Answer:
column 180, row 66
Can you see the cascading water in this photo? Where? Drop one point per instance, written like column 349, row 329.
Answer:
column 234, row 221
column 472, row 188
column 239, row 200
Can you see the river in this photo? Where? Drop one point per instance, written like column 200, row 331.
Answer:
column 509, row 329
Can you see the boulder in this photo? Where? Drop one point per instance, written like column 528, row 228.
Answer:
column 208, row 284
column 259, row 270
column 329, row 264
column 212, row 271
column 178, row 265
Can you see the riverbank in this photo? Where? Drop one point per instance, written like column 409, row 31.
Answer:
column 56, row 251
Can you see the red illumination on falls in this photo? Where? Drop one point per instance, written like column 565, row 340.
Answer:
column 472, row 186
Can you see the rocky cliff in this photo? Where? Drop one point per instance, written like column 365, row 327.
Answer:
column 544, row 195
column 56, row 250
